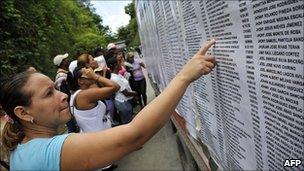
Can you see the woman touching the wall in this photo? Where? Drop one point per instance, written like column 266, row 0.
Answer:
column 37, row 109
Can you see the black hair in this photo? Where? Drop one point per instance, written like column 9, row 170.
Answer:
column 78, row 73
column 111, row 63
column 98, row 51
column 72, row 81
column 110, row 53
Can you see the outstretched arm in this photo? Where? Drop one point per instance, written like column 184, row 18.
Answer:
column 156, row 114
column 95, row 150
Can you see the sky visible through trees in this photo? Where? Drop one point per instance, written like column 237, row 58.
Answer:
column 33, row 32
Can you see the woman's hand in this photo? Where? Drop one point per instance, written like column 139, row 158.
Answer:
column 200, row 64
column 89, row 73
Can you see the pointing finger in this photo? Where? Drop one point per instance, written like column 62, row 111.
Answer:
column 205, row 48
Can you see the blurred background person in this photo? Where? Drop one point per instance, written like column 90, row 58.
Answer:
column 61, row 84
column 83, row 61
column 62, row 64
column 99, row 57
column 111, row 50
column 139, row 80
column 120, row 57
column 87, row 103
column 124, row 95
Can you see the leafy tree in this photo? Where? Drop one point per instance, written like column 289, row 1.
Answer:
column 32, row 32
column 130, row 10
column 87, row 42
column 129, row 33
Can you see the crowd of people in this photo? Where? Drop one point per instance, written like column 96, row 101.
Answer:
column 90, row 95
column 115, row 68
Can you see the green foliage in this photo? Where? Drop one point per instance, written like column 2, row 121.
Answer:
column 130, row 10
column 32, row 32
column 129, row 33
column 87, row 42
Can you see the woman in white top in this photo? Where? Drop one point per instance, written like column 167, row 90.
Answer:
column 86, row 103
column 123, row 95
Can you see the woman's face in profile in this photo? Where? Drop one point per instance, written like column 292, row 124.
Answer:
column 119, row 56
column 49, row 106
column 93, row 64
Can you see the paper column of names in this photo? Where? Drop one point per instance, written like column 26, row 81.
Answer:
column 192, row 36
column 174, row 50
column 167, row 60
column 156, row 47
column 148, row 41
column 279, row 32
column 223, row 19
column 209, row 107
column 160, row 41
column 177, row 51
column 157, row 72
column 252, row 72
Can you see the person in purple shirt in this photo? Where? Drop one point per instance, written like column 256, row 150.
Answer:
column 139, row 79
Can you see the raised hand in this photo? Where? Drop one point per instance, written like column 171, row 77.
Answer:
column 89, row 73
column 200, row 64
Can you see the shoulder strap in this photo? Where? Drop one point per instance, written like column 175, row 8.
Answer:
column 107, row 107
column 72, row 101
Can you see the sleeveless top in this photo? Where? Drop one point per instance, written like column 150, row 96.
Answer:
column 92, row 120
column 38, row 154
